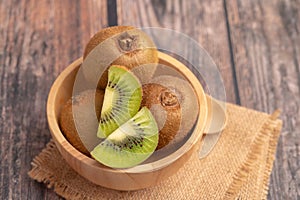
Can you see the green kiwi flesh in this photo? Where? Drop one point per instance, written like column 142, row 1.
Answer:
column 130, row 144
column 122, row 100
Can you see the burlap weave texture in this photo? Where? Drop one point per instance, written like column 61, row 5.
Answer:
column 238, row 167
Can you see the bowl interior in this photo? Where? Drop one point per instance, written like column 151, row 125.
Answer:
column 62, row 89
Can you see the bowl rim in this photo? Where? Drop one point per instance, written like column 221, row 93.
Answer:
column 62, row 142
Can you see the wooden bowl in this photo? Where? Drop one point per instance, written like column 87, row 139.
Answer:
column 138, row 177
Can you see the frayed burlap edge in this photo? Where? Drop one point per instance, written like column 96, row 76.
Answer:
column 39, row 174
column 271, row 129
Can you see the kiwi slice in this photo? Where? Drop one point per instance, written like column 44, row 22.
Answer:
column 122, row 100
column 165, row 108
column 80, row 106
column 130, row 144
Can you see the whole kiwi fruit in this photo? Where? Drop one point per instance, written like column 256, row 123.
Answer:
column 177, row 99
column 127, row 46
column 165, row 108
column 81, row 105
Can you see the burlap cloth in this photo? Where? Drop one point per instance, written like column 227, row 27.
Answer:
column 238, row 167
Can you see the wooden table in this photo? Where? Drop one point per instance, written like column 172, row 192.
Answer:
column 256, row 45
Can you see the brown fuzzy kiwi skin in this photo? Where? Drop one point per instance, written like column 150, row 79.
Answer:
column 155, row 94
column 103, row 35
column 188, row 102
column 66, row 119
column 145, row 55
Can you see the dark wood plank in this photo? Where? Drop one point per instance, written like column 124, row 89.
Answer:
column 38, row 39
column 266, row 47
column 203, row 21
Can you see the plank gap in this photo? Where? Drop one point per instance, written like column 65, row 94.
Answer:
column 112, row 16
column 234, row 76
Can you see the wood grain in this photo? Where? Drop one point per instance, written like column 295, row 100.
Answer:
column 203, row 21
column 38, row 39
column 255, row 44
column 266, row 47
